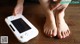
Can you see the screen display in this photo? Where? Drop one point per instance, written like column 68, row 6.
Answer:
column 20, row 25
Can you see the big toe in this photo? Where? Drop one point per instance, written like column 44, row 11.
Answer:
column 59, row 35
column 54, row 33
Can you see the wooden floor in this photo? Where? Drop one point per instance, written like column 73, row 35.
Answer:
column 35, row 15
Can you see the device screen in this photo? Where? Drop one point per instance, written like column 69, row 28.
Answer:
column 20, row 25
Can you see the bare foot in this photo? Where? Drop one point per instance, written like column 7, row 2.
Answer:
column 50, row 26
column 62, row 28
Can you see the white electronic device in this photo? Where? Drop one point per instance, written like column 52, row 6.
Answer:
column 21, row 27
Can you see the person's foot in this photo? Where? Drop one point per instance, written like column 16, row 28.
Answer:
column 62, row 28
column 50, row 26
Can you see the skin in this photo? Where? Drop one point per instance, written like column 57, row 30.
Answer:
column 19, row 7
column 55, row 24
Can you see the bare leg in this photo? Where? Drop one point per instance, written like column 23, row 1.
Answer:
column 19, row 7
column 62, row 27
column 50, row 25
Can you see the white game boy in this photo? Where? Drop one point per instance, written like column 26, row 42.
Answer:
column 21, row 27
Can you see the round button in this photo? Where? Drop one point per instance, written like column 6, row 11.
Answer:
column 21, row 36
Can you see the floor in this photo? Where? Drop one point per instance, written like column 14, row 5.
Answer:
column 35, row 14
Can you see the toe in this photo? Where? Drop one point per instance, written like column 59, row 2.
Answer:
column 46, row 31
column 49, row 33
column 67, row 33
column 63, row 34
column 54, row 33
column 59, row 35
